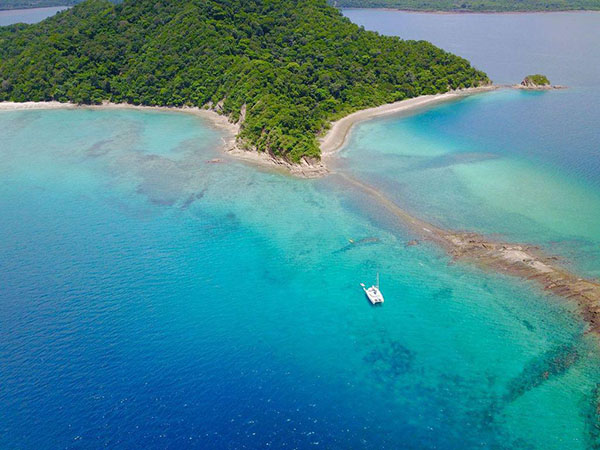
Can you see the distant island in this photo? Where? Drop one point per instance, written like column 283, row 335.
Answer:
column 284, row 69
column 26, row 4
column 535, row 81
column 473, row 5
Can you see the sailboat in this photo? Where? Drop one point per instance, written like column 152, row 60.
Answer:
column 373, row 293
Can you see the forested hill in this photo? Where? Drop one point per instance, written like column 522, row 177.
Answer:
column 294, row 64
column 473, row 5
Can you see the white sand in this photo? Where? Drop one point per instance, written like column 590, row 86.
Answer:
column 337, row 134
column 307, row 168
column 212, row 116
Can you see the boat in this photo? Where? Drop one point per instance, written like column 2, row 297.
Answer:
column 373, row 293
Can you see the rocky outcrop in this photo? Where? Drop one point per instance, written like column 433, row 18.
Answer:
column 537, row 82
column 523, row 261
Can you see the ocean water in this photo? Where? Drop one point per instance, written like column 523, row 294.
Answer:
column 524, row 165
column 32, row 15
column 507, row 47
column 151, row 297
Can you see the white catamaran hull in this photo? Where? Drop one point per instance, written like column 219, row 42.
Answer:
column 373, row 294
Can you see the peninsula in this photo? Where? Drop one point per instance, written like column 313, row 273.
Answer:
column 275, row 73
column 336, row 135
column 519, row 260
column 283, row 69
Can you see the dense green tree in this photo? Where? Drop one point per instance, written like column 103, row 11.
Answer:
column 537, row 80
column 293, row 64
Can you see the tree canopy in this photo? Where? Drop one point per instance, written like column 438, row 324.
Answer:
column 536, row 80
column 291, row 65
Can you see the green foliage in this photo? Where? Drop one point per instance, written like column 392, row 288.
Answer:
column 538, row 80
column 294, row 64
column 473, row 5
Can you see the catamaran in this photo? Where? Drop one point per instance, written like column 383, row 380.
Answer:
column 373, row 293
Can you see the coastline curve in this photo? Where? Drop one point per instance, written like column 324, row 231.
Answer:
column 336, row 136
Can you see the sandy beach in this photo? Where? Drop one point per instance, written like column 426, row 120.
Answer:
column 336, row 136
column 213, row 117
column 305, row 169
column 230, row 130
column 333, row 140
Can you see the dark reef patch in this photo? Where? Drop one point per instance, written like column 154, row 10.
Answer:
column 192, row 198
column 552, row 363
column 390, row 359
column 99, row 148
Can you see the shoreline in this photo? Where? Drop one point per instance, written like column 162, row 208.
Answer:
column 329, row 144
column 305, row 169
column 527, row 262
column 337, row 135
column 545, row 87
column 215, row 119
column 520, row 260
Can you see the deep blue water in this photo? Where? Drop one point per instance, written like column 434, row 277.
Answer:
column 151, row 299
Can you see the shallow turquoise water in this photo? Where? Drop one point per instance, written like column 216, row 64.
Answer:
column 525, row 165
column 455, row 166
column 151, row 299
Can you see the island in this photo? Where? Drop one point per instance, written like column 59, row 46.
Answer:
column 281, row 69
column 537, row 82
column 473, row 5
column 26, row 4
column 289, row 79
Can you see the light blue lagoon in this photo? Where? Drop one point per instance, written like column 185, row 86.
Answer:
column 525, row 165
column 151, row 298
